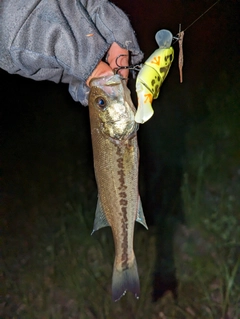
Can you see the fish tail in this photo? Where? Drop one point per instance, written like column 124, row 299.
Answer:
column 126, row 279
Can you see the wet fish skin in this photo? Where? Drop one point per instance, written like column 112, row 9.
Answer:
column 116, row 161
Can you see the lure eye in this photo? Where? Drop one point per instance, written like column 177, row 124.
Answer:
column 101, row 102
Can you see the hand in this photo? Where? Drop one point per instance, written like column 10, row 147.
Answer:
column 107, row 68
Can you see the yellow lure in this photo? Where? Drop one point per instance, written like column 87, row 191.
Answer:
column 152, row 75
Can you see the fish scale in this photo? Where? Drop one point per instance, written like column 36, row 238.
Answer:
column 116, row 161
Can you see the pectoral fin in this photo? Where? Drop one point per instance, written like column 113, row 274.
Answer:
column 140, row 215
column 100, row 220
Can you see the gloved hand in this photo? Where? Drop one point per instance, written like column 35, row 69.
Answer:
column 65, row 41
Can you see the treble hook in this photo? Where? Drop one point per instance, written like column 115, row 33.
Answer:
column 136, row 67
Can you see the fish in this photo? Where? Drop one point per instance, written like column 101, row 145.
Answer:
column 152, row 74
column 116, row 164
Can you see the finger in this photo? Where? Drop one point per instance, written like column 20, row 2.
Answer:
column 101, row 70
column 118, row 56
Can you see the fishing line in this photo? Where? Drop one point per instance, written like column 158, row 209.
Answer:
column 179, row 38
column 176, row 38
column 201, row 15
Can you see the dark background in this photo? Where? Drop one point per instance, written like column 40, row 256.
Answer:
column 39, row 118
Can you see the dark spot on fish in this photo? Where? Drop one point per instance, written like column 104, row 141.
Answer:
column 124, row 210
column 124, row 245
column 120, row 162
column 121, row 172
column 121, row 179
column 122, row 187
column 153, row 82
column 124, row 258
column 123, row 194
column 119, row 153
column 123, row 202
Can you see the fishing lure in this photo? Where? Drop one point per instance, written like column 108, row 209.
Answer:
column 155, row 69
column 152, row 75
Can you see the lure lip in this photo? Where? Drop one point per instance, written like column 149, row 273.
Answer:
column 164, row 38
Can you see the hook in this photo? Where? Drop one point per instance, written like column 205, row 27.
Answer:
column 136, row 67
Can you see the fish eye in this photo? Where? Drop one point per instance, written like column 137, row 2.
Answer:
column 101, row 102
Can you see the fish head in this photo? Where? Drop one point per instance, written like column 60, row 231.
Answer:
column 111, row 108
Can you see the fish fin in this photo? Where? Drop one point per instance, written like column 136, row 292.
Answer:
column 100, row 220
column 124, row 280
column 140, row 215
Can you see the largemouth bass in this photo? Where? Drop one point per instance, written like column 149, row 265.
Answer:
column 116, row 161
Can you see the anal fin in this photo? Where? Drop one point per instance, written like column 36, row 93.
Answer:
column 100, row 220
